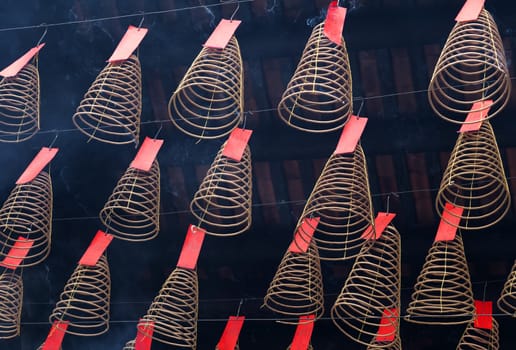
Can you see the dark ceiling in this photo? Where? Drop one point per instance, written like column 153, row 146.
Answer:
column 393, row 46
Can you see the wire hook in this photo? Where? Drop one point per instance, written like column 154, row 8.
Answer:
column 44, row 33
column 234, row 12
column 240, row 307
column 141, row 21
column 157, row 132
column 361, row 106
column 55, row 138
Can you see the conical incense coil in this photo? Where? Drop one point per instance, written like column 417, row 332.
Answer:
column 175, row 310
column 132, row 211
column 11, row 297
column 27, row 212
column 475, row 181
column 318, row 98
column 223, row 202
column 110, row 110
column 442, row 293
column 84, row 302
column 19, row 105
column 472, row 67
column 507, row 301
column 479, row 338
column 342, row 200
column 297, row 287
column 208, row 103
column 394, row 345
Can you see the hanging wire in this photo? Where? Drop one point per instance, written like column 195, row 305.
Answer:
column 44, row 33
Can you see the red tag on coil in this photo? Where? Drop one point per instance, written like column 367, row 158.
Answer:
column 144, row 335
column 146, row 154
column 236, row 144
column 470, row 11
column 474, row 119
column 484, row 314
column 229, row 338
column 41, row 160
column 97, row 247
column 334, row 23
column 191, row 248
column 380, row 224
column 14, row 68
column 55, row 336
column 351, row 134
column 449, row 221
column 303, row 333
column 387, row 330
column 17, row 253
column 222, row 34
column 303, row 235
column 129, row 42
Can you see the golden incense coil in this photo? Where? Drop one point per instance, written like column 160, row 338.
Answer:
column 11, row 297
column 223, row 202
column 84, row 302
column 479, row 338
column 475, row 180
column 27, row 212
column 208, row 103
column 132, row 211
column 19, row 105
column 472, row 67
column 318, row 97
column 110, row 110
column 507, row 301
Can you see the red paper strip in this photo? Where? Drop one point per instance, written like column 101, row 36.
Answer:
column 41, row 160
column 351, row 135
column 191, row 248
column 97, row 247
column 380, row 224
column 303, row 333
column 144, row 335
column 449, row 220
column 478, row 116
column 146, row 154
column 55, row 336
column 17, row 66
column 229, row 338
column 334, row 23
column 222, row 34
column 484, row 314
column 387, row 330
column 130, row 41
column 17, row 253
column 304, row 235
column 470, row 10
column 236, row 143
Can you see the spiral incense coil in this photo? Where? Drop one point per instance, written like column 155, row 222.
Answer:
column 84, row 303
column 507, row 300
column 110, row 110
column 19, row 105
column 27, row 212
column 132, row 211
column 208, row 103
column 394, row 345
column 442, row 294
column 475, row 181
column 175, row 310
column 472, row 67
column 11, row 297
column 297, row 287
column 130, row 345
column 318, row 98
column 223, row 202
column 479, row 338
column 372, row 286
column 342, row 200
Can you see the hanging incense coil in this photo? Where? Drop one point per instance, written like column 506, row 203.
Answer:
column 208, row 103
column 297, row 287
column 479, row 338
column 175, row 310
column 342, row 200
column 442, row 293
column 223, row 202
column 84, row 302
column 110, row 110
column 11, row 297
column 472, row 67
column 475, row 181
column 27, row 213
column 318, row 97
column 372, row 286
column 132, row 211
column 394, row 345
column 19, row 105
column 507, row 301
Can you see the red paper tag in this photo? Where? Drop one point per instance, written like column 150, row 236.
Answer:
column 41, row 160
column 351, row 135
column 55, row 336
column 147, row 153
column 387, row 330
column 17, row 253
column 303, row 235
column 222, row 34
column 144, row 335
column 17, row 66
column 229, row 338
column 191, row 248
column 470, row 11
column 484, row 314
column 130, row 41
column 334, row 23
column 380, row 223
column 449, row 221
column 97, row 247
column 236, row 143
column 303, row 333
column 474, row 119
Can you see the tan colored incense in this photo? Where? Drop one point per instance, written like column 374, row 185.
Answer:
column 479, row 338
column 11, row 297
column 507, row 300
